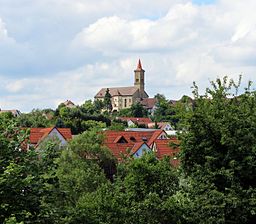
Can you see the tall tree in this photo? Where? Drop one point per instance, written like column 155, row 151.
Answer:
column 218, row 155
column 107, row 101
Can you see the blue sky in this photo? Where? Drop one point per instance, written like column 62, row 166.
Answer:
column 200, row 2
column 51, row 51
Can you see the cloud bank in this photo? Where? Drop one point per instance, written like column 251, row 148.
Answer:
column 69, row 49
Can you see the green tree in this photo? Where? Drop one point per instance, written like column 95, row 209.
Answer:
column 218, row 155
column 19, row 179
column 83, row 167
column 140, row 193
column 91, row 124
column 137, row 110
column 164, row 110
column 36, row 118
column 107, row 101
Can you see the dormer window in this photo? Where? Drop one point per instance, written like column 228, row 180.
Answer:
column 132, row 139
column 120, row 139
column 144, row 139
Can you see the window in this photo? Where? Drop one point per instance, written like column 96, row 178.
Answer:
column 125, row 102
column 132, row 139
column 144, row 139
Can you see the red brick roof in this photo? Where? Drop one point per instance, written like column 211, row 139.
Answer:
column 37, row 134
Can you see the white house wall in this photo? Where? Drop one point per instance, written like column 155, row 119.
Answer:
column 141, row 150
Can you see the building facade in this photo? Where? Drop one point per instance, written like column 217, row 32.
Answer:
column 124, row 97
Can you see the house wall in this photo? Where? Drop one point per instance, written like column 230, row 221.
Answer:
column 55, row 134
column 141, row 150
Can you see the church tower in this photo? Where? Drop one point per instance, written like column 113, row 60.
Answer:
column 139, row 78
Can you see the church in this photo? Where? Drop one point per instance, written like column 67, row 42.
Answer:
column 124, row 97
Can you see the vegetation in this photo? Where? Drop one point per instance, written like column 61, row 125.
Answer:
column 83, row 183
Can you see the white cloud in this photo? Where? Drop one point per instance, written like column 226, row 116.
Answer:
column 110, row 34
column 3, row 30
column 73, row 48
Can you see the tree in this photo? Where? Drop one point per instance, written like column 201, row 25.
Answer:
column 107, row 101
column 141, row 186
column 218, row 155
column 137, row 110
column 36, row 118
column 164, row 110
column 19, row 175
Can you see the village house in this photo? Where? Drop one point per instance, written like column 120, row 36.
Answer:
column 135, row 121
column 15, row 113
column 166, row 126
column 124, row 97
column 69, row 104
column 40, row 135
column 135, row 143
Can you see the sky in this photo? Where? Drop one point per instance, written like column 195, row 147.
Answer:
column 54, row 50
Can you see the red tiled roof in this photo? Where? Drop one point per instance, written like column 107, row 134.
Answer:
column 136, row 120
column 37, row 134
column 132, row 136
column 135, row 139
column 163, row 148
column 155, row 135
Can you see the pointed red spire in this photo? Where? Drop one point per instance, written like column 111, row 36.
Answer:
column 139, row 66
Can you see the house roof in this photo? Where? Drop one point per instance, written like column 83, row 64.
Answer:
column 118, row 91
column 14, row 112
column 68, row 103
column 148, row 103
column 37, row 134
column 119, row 141
column 160, row 125
column 137, row 120
column 163, row 148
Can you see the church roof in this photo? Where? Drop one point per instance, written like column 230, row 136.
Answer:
column 118, row 91
column 139, row 66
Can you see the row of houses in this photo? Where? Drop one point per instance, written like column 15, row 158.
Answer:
column 120, row 143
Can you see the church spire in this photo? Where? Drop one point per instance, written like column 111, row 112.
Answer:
column 139, row 66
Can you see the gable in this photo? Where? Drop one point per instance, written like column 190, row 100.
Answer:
column 37, row 135
column 56, row 134
column 141, row 150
